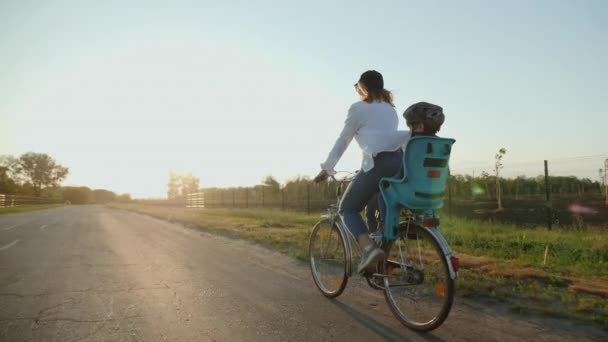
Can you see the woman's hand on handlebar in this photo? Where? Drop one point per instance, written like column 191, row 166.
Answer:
column 322, row 176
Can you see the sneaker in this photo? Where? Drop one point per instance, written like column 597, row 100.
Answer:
column 371, row 256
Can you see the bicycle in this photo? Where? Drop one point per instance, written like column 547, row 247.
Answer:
column 419, row 269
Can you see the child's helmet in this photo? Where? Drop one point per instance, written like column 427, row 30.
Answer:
column 429, row 114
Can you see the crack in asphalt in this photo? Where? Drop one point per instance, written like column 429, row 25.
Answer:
column 11, row 279
column 13, row 295
column 68, row 319
column 43, row 310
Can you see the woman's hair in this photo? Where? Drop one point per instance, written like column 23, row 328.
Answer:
column 373, row 84
column 378, row 95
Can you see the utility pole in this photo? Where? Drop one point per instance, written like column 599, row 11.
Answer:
column 606, row 181
column 547, row 194
column 308, row 197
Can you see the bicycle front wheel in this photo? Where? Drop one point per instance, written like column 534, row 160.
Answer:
column 327, row 251
column 418, row 287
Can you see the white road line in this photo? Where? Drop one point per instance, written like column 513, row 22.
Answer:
column 44, row 226
column 9, row 245
column 11, row 227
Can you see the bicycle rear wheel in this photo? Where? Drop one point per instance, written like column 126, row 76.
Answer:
column 327, row 251
column 418, row 287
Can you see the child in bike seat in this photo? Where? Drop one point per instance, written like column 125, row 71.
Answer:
column 423, row 119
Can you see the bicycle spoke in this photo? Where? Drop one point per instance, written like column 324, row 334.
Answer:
column 418, row 287
column 327, row 259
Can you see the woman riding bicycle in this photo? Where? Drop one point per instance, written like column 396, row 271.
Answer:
column 373, row 123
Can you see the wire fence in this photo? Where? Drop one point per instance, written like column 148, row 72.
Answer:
column 592, row 167
column 309, row 200
column 552, row 199
column 562, row 209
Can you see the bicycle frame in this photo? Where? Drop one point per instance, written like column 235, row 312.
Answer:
column 335, row 219
column 349, row 238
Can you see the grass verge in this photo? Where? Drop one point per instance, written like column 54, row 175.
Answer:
column 499, row 262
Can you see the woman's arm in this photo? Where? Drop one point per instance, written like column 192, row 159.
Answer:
column 351, row 125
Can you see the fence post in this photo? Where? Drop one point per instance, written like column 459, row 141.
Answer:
column 282, row 199
column 606, row 181
column 548, row 195
column 246, row 198
column 262, row 196
column 308, row 197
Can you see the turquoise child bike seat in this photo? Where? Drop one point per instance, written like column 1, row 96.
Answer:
column 422, row 187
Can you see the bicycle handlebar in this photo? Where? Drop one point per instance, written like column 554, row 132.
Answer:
column 342, row 181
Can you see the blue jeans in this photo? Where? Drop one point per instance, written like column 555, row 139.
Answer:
column 363, row 191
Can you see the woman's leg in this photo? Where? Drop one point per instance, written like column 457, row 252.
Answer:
column 370, row 212
column 356, row 196
column 363, row 188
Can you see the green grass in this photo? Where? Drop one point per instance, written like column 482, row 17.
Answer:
column 534, row 296
column 572, row 252
column 581, row 252
column 498, row 261
column 25, row 208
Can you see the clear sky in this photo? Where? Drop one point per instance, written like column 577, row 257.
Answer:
column 122, row 92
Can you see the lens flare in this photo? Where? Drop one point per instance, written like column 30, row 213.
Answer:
column 476, row 189
column 581, row 210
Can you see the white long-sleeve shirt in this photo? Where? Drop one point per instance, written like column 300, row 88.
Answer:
column 374, row 127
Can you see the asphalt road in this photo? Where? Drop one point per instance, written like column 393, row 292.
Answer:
column 97, row 274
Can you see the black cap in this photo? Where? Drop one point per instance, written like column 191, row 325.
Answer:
column 372, row 80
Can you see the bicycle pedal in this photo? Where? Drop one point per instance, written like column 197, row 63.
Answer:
column 367, row 273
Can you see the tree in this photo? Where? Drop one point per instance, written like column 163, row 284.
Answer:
column 484, row 179
column 52, row 193
column 271, row 183
column 173, row 185
column 102, row 196
column 40, row 170
column 602, row 179
column 190, row 184
column 497, row 167
column 7, row 184
column 521, row 179
column 124, row 198
column 77, row 195
column 180, row 185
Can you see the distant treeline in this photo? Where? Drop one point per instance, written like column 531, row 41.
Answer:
column 484, row 186
column 84, row 195
column 39, row 175
column 73, row 195
column 460, row 186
